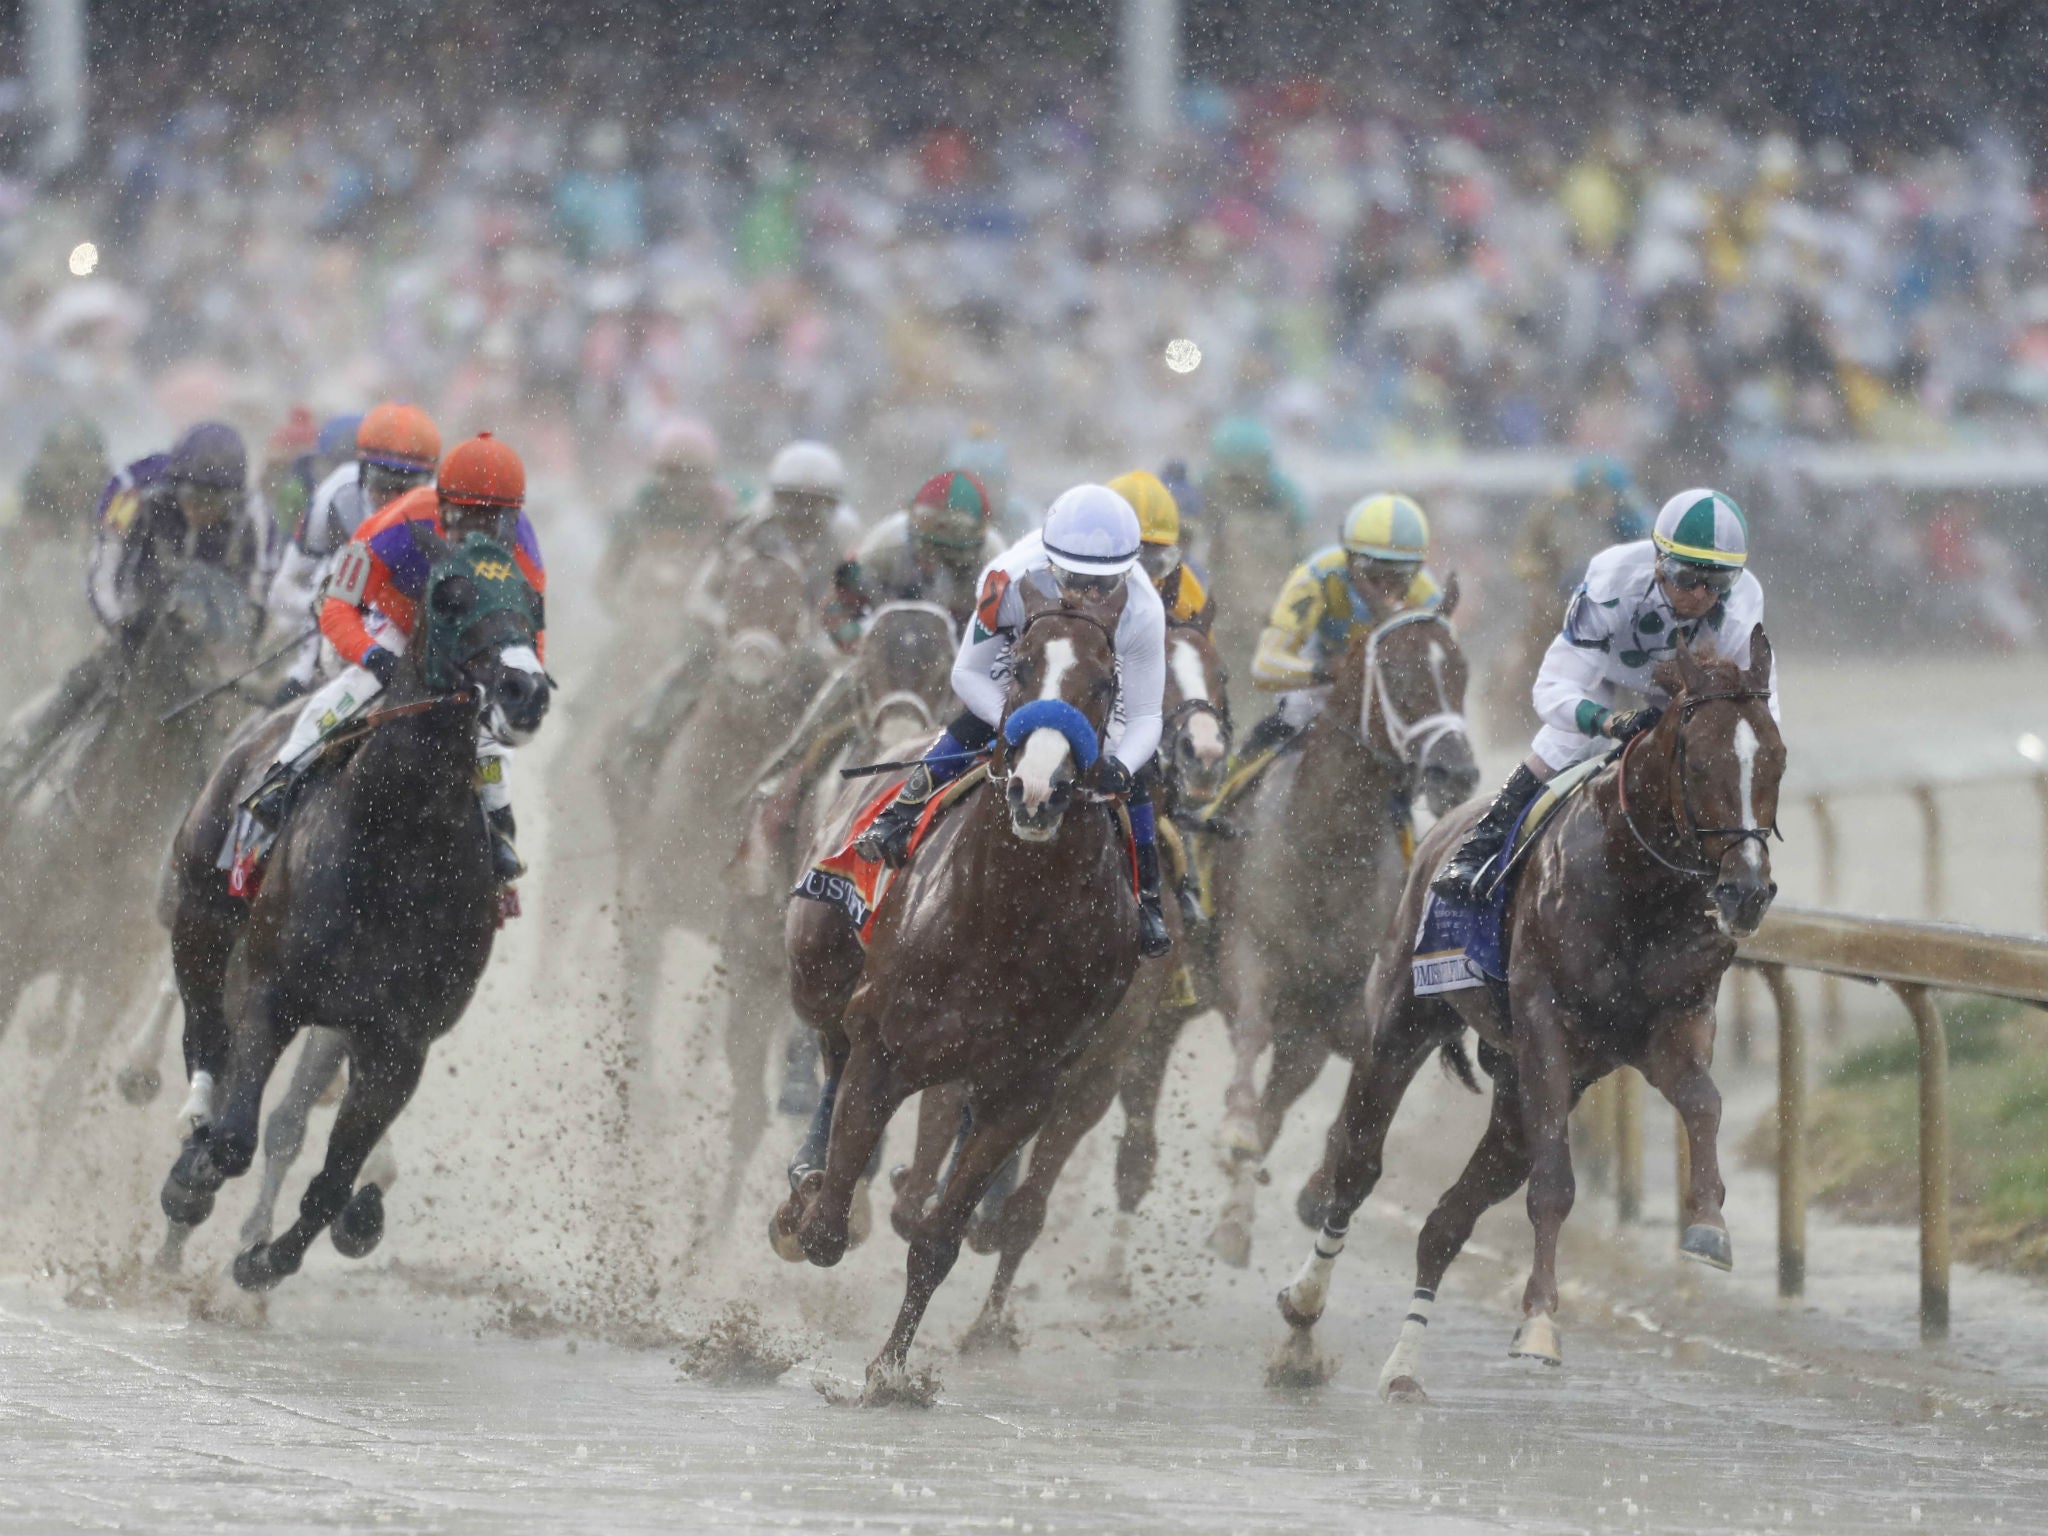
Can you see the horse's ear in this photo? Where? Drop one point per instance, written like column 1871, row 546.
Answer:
column 1689, row 669
column 1759, row 674
column 1667, row 676
column 1039, row 597
column 1169, row 589
column 1448, row 603
column 427, row 541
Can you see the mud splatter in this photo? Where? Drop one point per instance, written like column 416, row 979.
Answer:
column 738, row 1350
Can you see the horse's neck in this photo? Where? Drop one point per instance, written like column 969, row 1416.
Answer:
column 1640, row 792
column 417, row 767
column 1343, row 792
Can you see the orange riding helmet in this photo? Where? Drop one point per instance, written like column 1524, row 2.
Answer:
column 483, row 472
column 398, row 436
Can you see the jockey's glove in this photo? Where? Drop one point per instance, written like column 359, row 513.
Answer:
column 1625, row 724
column 381, row 664
column 1112, row 777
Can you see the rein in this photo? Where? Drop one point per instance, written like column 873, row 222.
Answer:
column 357, row 729
column 1699, row 835
column 1424, row 730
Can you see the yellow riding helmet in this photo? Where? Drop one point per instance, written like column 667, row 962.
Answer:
column 1158, row 513
column 1387, row 527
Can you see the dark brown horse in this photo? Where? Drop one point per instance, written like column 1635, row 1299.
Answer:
column 1303, row 899
column 1193, row 750
column 1008, row 941
column 1623, row 920
column 377, row 909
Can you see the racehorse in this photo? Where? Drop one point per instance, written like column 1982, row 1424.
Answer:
column 376, row 911
column 672, row 819
column 1193, row 752
column 86, row 816
column 1003, row 949
column 901, row 678
column 1623, row 919
column 1304, row 897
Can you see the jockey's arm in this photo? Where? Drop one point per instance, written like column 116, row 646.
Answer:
column 975, row 682
column 1572, row 691
column 1141, row 674
column 351, row 591
column 1282, row 662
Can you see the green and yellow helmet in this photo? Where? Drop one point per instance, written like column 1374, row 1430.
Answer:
column 1702, row 527
column 1388, row 526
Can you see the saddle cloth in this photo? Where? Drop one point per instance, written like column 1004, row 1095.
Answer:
column 1459, row 945
column 856, row 885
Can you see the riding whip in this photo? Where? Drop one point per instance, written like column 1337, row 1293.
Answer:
column 249, row 671
column 869, row 770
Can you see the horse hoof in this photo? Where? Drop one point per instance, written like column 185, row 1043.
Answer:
column 992, row 1332
column 360, row 1226
column 170, row 1258
column 1405, row 1389
column 1710, row 1245
column 860, row 1216
column 1232, row 1243
column 187, row 1195
column 138, row 1085
column 985, row 1233
column 1293, row 1316
column 1237, row 1140
column 257, row 1270
column 782, row 1234
column 1537, row 1339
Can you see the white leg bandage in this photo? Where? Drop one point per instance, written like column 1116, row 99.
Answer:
column 1311, row 1288
column 493, row 762
column 1406, row 1360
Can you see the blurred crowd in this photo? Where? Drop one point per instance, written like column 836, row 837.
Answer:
column 1379, row 269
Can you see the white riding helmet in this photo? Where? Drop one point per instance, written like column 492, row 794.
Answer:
column 1092, row 531
column 807, row 466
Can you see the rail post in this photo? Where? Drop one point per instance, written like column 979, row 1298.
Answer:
column 1831, row 895
column 1681, row 1147
column 1791, row 1134
column 2041, row 792
column 1934, row 1245
column 1628, row 1146
column 1932, row 895
column 1742, row 1014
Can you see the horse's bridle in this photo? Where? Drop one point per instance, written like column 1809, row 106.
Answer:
column 907, row 698
column 1062, row 612
column 1685, row 706
column 1424, row 730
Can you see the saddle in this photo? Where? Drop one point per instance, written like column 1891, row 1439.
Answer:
column 856, row 885
column 1460, row 945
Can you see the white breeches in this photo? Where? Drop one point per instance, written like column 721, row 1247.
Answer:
column 1301, row 705
column 350, row 694
column 1560, row 749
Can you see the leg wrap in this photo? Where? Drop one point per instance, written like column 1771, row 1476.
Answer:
column 1406, row 1360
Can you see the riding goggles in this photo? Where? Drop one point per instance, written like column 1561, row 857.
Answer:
column 1684, row 576
column 1159, row 560
column 1087, row 583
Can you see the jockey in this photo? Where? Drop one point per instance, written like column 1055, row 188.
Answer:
column 396, row 447
column 369, row 610
column 1089, row 545
column 1244, row 479
column 1174, row 577
column 189, row 504
column 805, row 517
column 929, row 552
column 983, row 456
column 1685, row 581
column 683, row 504
column 1375, row 572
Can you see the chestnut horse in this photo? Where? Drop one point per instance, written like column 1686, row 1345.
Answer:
column 1000, row 953
column 1303, row 899
column 1193, row 751
column 1623, row 919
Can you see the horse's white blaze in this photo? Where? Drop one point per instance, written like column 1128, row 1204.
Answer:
column 1059, row 661
column 523, row 658
column 1187, row 671
column 1044, row 750
column 1206, row 736
column 1745, row 758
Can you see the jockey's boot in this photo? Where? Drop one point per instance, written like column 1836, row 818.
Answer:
column 273, row 799
column 1190, row 893
column 1269, row 734
column 1153, row 939
column 1488, row 835
column 505, row 861
column 887, row 839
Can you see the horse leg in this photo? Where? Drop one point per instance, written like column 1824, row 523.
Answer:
column 749, row 1022
column 799, row 1094
column 284, row 1133
column 939, row 1112
column 223, row 1149
column 997, row 1134
column 202, row 940
column 1543, row 1076
column 1250, row 1026
column 818, row 1212
column 1144, row 1078
column 1495, row 1170
column 1677, row 1067
column 1078, row 1107
column 137, row 1078
column 380, row 1083
column 1298, row 1057
column 1370, row 1100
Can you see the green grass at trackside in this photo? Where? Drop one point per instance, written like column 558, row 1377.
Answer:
column 1864, row 1145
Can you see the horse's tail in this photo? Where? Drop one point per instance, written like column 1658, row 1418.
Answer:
column 1457, row 1064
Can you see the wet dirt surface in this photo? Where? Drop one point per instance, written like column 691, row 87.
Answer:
column 513, row 1357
